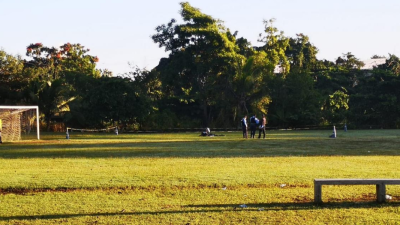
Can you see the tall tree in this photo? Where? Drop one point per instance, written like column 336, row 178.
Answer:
column 201, row 50
column 301, row 54
column 275, row 45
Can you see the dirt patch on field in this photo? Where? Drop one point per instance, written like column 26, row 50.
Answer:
column 25, row 191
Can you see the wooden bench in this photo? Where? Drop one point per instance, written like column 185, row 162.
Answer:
column 380, row 186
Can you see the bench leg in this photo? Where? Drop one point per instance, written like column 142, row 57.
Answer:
column 317, row 193
column 381, row 193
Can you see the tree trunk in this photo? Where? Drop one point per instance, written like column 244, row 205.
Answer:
column 205, row 113
column 47, row 123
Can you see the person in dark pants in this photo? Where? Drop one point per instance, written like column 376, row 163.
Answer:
column 253, row 126
column 263, row 123
column 244, row 126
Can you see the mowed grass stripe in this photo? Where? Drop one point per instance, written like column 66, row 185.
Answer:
column 188, row 172
column 278, row 143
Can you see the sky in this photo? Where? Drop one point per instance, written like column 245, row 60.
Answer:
column 119, row 31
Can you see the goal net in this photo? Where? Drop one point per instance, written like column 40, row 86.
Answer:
column 72, row 131
column 15, row 120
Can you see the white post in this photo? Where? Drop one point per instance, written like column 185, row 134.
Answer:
column 334, row 130
column 37, row 123
column 333, row 135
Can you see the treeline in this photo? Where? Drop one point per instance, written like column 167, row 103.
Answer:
column 211, row 78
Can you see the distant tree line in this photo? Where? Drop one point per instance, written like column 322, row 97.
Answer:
column 211, row 77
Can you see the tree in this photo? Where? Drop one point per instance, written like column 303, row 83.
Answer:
column 106, row 101
column 12, row 81
column 349, row 62
column 49, row 68
column 275, row 46
column 51, row 97
column 245, row 47
column 301, row 54
column 201, row 51
column 376, row 101
column 49, row 63
column 335, row 107
column 295, row 102
column 392, row 64
column 248, row 83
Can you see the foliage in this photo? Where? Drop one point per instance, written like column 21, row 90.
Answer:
column 295, row 102
column 106, row 101
column 247, row 84
column 12, row 80
column 52, row 97
column 336, row 106
column 392, row 65
column 275, row 46
column 50, row 63
column 376, row 101
column 49, row 68
column 349, row 62
column 201, row 51
column 301, row 54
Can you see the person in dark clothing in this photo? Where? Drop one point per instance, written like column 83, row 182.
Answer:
column 261, row 128
column 253, row 126
column 244, row 126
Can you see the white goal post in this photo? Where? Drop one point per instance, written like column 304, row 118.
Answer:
column 11, row 118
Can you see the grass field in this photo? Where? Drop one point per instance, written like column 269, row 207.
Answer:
column 187, row 179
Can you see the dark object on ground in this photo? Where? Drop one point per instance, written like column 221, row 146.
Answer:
column 204, row 134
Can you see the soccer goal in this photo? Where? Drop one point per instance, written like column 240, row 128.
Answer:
column 17, row 119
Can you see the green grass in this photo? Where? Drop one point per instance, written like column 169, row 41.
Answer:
column 180, row 178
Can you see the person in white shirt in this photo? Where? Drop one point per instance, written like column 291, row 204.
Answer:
column 244, row 126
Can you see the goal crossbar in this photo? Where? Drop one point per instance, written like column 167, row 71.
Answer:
column 20, row 108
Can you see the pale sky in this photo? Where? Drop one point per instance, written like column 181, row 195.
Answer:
column 119, row 31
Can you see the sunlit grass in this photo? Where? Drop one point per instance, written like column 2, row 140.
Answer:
column 195, row 206
column 183, row 178
column 178, row 173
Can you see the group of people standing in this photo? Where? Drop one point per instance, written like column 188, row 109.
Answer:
column 254, row 124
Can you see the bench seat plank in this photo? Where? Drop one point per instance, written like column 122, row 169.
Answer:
column 356, row 181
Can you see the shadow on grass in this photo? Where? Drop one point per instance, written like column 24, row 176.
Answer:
column 218, row 208
column 206, row 149
column 298, row 205
column 280, row 144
